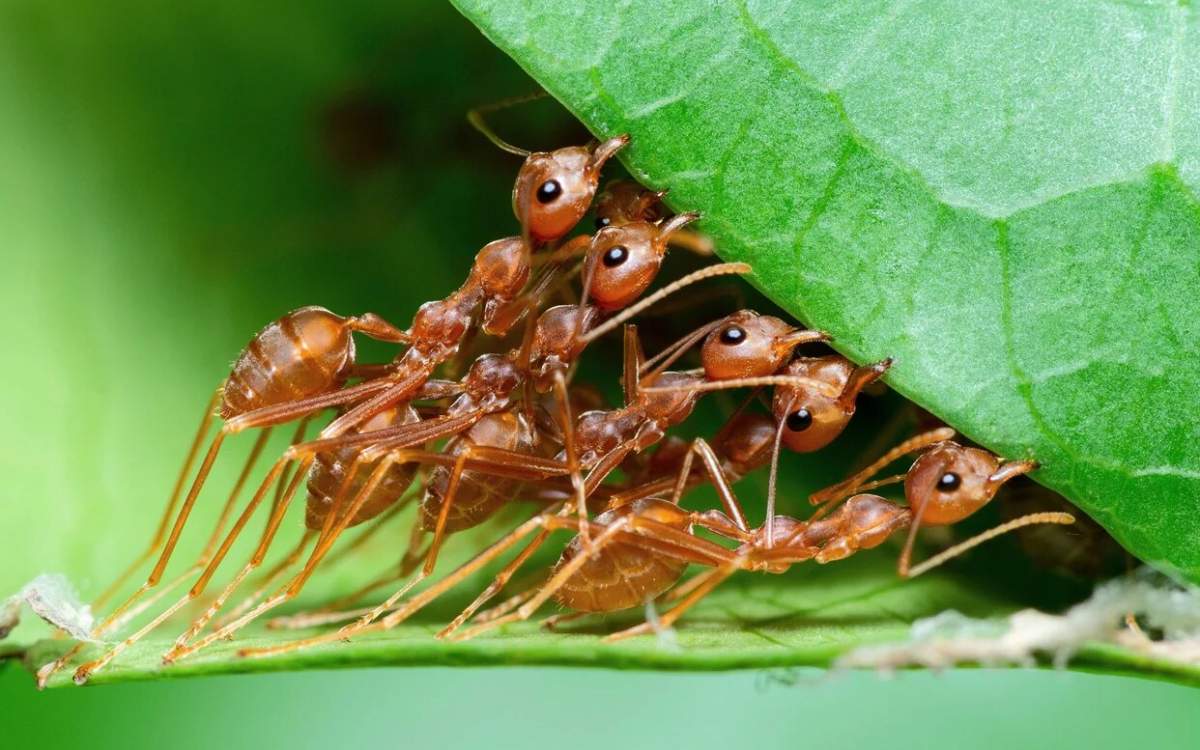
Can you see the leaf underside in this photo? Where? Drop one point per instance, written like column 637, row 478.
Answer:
column 1001, row 196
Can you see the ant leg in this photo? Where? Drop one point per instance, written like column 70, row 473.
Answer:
column 709, row 580
column 161, row 531
column 332, row 611
column 631, row 363
column 1032, row 519
column 268, row 535
column 181, row 519
column 213, row 538
column 568, row 433
column 336, row 611
column 627, row 530
column 556, row 581
column 268, row 580
column 708, row 272
column 417, row 602
column 86, row 670
column 127, row 611
column 552, row 622
column 851, row 485
column 716, row 473
column 397, row 391
column 439, row 529
column 324, row 542
column 498, row 583
column 374, row 527
column 289, row 410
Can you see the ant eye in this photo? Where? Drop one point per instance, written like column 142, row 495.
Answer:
column 949, row 482
column 615, row 256
column 799, row 420
column 602, row 222
column 549, row 190
column 733, row 335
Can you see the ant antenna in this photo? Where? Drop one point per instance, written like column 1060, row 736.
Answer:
column 672, row 353
column 773, row 477
column 631, row 364
column 720, row 269
column 475, row 117
column 1033, row 519
column 855, row 483
column 721, row 385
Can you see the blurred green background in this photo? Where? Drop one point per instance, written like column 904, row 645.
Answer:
column 171, row 178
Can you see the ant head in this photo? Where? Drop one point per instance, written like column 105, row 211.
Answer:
column 812, row 419
column 623, row 201
column 749, row 345
column 950, row 482
column 492, row 375
column 747, row 441
column 556, row 343
column 554, row 190
column 624, row 259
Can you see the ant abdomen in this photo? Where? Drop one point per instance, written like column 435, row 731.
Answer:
column 329, row 471
column 621, row 576
column 478, row 495
column 305, row 353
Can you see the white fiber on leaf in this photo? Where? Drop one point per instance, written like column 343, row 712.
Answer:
column 951, row 638
column 663, row 635
column 51, row 597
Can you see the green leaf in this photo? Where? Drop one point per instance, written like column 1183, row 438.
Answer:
column 176, row 177
column 1002, row 196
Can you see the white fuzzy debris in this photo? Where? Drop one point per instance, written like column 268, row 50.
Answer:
column 664, row 635
column 951, row 638
column 51, row 597
column 10, row 615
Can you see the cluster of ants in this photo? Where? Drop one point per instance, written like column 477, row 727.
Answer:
column 515, row 427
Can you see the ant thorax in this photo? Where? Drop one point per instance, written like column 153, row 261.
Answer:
column 502, row 268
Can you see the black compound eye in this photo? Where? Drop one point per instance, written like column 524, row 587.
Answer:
column 548, row 191
column 615, row 256
column 799, row 420
column 602, row 222
column 733, row 335
column 949, row 482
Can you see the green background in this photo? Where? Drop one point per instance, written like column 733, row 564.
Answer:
column 171, row 179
